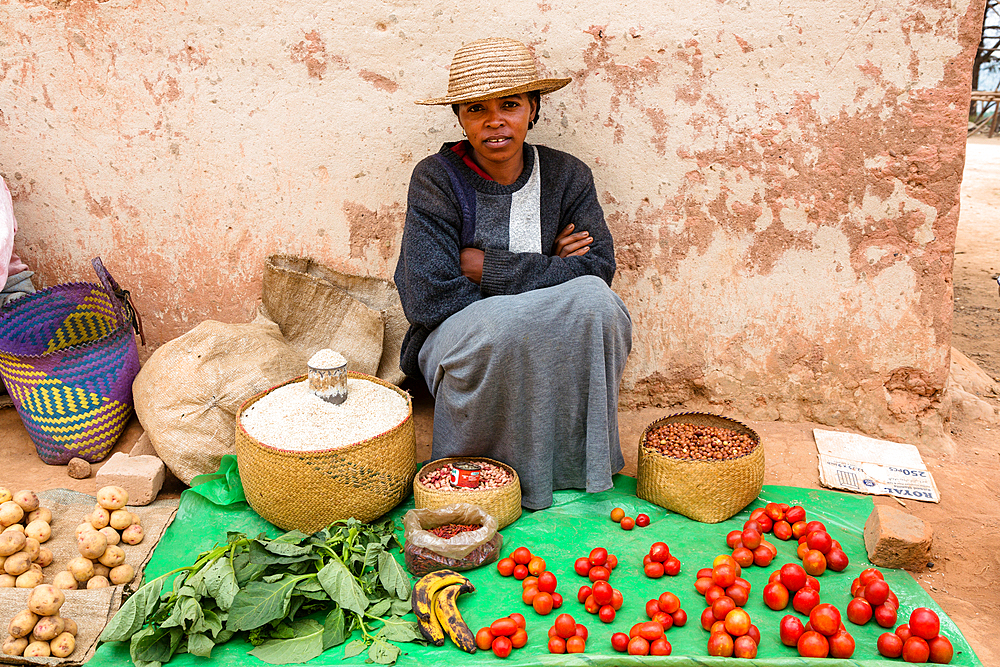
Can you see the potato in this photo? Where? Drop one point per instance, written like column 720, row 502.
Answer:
column 113, row 556
column 15, row 646
column 112, row 498
column 48, row 628
column 31, row 547
column 99, row 518
column 35, row 567
column 133, row 534
column 27, row 500
column 22, row 624
column 70, row 626
column 44, row 557
column 63, row 645
column 122, row 574
column 98, row 581
column 11, row 542
column 6, row 494
column 84, row 528
column 40, row 514
column 111, row 534
column 29, row 579
column 37, row 650
column 7, row 581
column 82, row 568
column 46, row 600
column 10, row 513
column 101, row 570
column 120, row 519
column 17, row 564
column 65, row 581
column 14, row 528
column 136, row 519
column 92, row 545
column 39, row 530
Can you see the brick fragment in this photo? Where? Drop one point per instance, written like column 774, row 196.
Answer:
column 896, row 539
column 141, row 476
column 78, row 468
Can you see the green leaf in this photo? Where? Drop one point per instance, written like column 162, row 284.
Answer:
column 400, row 607
column 399, row 630
column 261, row 555
column 354, row 648
column 260, row 603
column 221, row 583
column 185, row 613
column 159, row 645
column 334, row 629
column 209, row 623
column 291, row 537
column 372, row 553
column 382, row 652
column 132, row 615
column 199, row 644
column 342, row 587
column 393, row 577
column 305, row 644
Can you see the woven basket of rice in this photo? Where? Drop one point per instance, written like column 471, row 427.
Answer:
column 708, row 491
column 309, row 489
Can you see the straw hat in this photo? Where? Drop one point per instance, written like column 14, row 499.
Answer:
column 490, row 68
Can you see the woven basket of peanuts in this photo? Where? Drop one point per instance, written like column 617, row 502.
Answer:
column 498, row 489
column 704, row 466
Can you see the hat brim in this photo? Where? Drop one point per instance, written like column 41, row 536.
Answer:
column 543, row 86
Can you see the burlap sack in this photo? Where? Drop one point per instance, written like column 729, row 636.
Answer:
column 318, row 307
column 188, row 393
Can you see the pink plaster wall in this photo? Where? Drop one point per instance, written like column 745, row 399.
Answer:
column 782, row 182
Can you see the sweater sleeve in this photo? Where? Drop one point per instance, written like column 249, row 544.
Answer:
column 428, row 274
column 507, row 272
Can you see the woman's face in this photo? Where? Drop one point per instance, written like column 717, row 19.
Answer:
column 496, row 129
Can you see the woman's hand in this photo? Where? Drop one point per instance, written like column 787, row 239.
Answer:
column 471, row 263
column 568, row 244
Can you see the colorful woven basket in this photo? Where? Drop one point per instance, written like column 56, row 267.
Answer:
column 68, row 357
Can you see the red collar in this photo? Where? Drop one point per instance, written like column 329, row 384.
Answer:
column 462, row 150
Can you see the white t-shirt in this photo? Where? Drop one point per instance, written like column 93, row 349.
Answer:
column 10, row 263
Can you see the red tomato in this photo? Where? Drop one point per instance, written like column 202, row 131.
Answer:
column 774, row 511
column 653, row 570
column 659, row 552
column 529, row 581
column 599, row 573
column 529, row 594
column 606, row 613
column 503, row 627
column 820, row 540
column 813, row 526
column 521, row 555
column 585, row 592
column 484, row 639
column 519, row 638
column 660, row 647
column 903, row 631
column 876, row 592
column 680, row 617
column 520, row 572
column 707, row 618
column 720, row 644
column 889, row 645
column 924, row 623
column 782, row 530
column 576, row 644
column 737, row 622
column 557, row 645
column 723, row 606
column 668, row 602
column 518, row 619
column 743, row 556
column 672, row 566
column 581, row 630
column 825, row 619
column 762, row 556
column 652, row 607
column 868, row 574
column 664, row 619
column 795, row 513
column 775, row 596
column 754, row 634
column 841, row 645
column 804, row 600
column 616, row 599
column 812, row 582
column 505, row 566
column 885, row 615
column 798, row 529
column 739, row 594
column 565, row 626
column 859, row 611
column 814, row 562
column 642, row 520
column 813, row 645
column 650, row 630
column 547, row 582
column 619, row 641
column 714, row 593
column 637, row 645
column 790, row 629
column 556, row 600
column 502, row 647
column 750, row 538
column 733, row 538
column 744, row 647
column 941, row 650
column 582, row 566
column 542, row 604
column 704, row 572
column 590, row 604
column 612, row 561
column 702, row 584
column 724, row 575
column 628, row 523
column 536, row 565
column 915, row 649
column 602, row 592
column 598, row 556
column 837, row 560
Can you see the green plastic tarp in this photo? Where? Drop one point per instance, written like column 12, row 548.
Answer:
column 576, row 523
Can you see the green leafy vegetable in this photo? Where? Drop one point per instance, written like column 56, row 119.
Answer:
column 269, row 589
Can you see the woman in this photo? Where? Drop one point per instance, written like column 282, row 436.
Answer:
column 504, row 276
column 15, row 278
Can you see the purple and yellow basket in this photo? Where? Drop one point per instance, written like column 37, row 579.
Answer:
column 68, row 357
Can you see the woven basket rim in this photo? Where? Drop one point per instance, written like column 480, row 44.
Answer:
column 347, row 448
column 439, row 463
column 657, row 422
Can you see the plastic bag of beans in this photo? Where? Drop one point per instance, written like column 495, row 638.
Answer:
column 455, row 537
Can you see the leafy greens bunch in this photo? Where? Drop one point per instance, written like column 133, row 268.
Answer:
column 273, row 589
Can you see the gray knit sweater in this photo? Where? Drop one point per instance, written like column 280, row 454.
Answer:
column 450, row 207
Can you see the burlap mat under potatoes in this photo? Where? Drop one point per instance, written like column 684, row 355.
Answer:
column 91, row 609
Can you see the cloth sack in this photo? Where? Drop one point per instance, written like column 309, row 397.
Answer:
column 188, row 394
column 319, row 307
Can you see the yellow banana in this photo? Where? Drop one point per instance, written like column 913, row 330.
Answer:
column 446, row 608
column 425, row 588
column 431, row 629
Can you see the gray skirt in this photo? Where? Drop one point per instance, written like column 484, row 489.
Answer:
column 532, row 380
column 18, row 285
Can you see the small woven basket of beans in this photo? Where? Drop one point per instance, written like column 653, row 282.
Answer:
column 701, row 465
column 500, row 497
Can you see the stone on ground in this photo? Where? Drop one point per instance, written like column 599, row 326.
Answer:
column 141, row 476
column 896, row 539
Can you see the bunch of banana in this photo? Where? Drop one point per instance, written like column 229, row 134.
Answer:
column 435, row 602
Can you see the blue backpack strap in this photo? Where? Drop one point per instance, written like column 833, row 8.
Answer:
column 466, row 201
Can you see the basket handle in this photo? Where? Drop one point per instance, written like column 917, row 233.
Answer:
column 122, row 297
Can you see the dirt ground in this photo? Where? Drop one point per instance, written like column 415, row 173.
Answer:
column 963, row 574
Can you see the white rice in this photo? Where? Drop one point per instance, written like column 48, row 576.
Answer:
column 292, row 417
column 327, row 358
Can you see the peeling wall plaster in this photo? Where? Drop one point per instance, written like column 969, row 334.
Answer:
column 782, row 181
